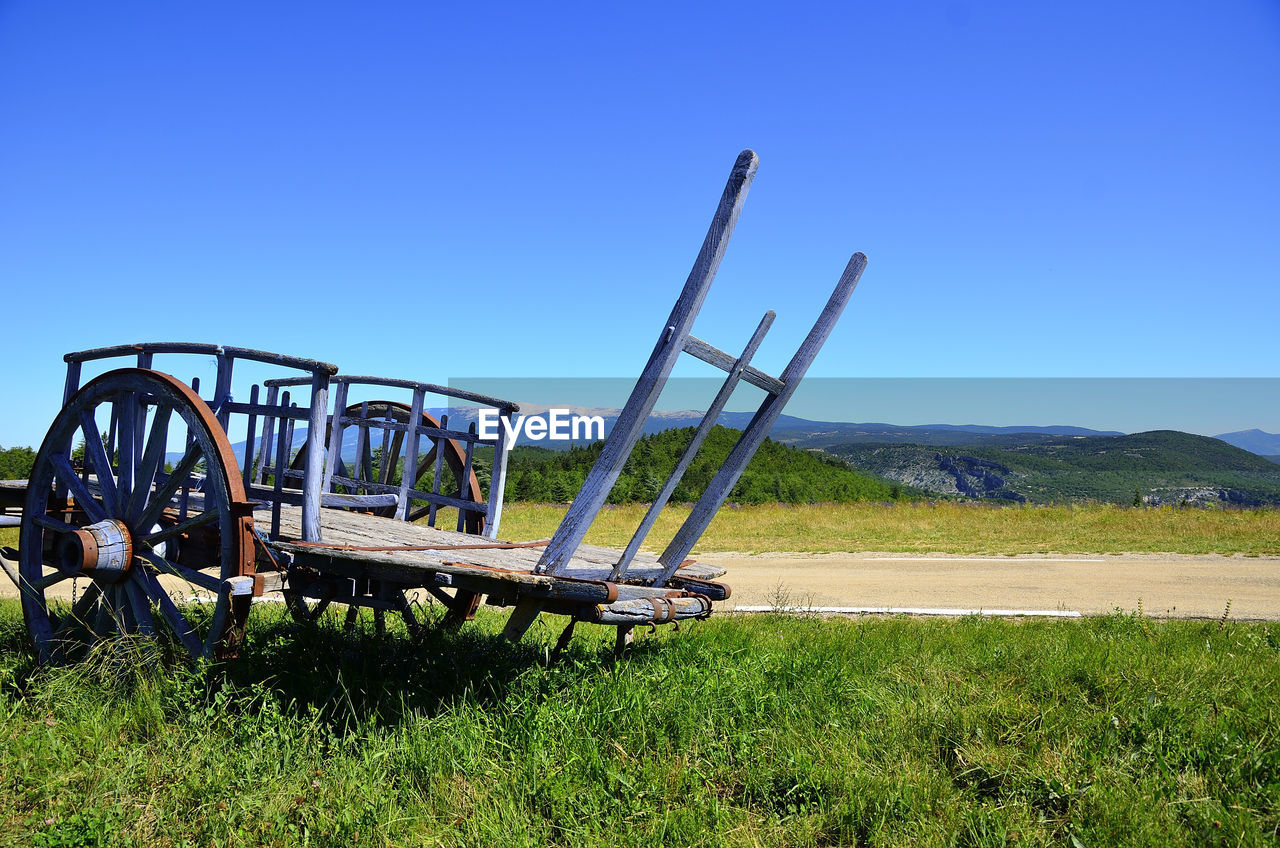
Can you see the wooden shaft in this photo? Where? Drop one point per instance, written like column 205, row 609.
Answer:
column 635, row 414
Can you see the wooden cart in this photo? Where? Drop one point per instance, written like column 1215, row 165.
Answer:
column 140, row 504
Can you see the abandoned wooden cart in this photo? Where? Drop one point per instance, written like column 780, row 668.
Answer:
column 140, row 517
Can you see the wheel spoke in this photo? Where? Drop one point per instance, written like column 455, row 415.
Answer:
column 48, row 522
column 177, row 622
column 48, row 580
column 67, row 475
column 101, row 626
column 96, row 455
column 152, row 457
column 207, row 517
column 164, row 566
column 165, row 493
column 126, row 450
column 121, row 612
column 141, row 605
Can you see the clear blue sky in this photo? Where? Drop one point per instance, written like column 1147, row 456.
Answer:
column 518, row 189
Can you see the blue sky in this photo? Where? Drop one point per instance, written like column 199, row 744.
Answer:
column 518, row 190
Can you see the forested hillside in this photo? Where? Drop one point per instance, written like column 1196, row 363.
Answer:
column 777, row 473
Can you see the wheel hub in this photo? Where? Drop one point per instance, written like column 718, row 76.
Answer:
column 103, row 550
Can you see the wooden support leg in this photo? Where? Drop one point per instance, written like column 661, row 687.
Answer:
column 462, row 609
column 522, row 618
column 626, row 635
column 562, row 644
column 353, row 613
column 410, row 620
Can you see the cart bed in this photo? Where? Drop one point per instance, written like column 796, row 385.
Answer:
column 343, row 529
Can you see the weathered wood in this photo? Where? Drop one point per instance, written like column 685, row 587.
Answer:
column 423, row 429
column 345, row 501
column 350, row 529
column 314, row 469
column 465, row 479
column 437, row 472
column 152, row 460
column 414, row 494
column 726, row 362
column 634, row 415
column 652, row 611
column 250, row 436
column 277, row 479
column 433, row 389
column 756, row 431
column 268, row 410
column 497, row 478
column 410, row 455
column 267, row 441
column 151, row 348
column 336, row 427
column 736, row 372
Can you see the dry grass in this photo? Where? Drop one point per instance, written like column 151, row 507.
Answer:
column 953, row 528
column 941, row 527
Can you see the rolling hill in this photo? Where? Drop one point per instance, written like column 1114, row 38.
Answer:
column 1161, row 466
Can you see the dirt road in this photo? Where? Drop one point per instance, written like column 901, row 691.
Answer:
column 1168, row 585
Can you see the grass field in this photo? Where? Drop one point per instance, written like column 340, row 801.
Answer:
column 754, row 732
column 955, row 528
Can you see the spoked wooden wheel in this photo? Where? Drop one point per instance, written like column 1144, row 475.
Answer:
column 164, row 549
column 380, row 463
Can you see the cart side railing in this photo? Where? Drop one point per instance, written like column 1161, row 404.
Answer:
column 223, row 404
column 400, row 436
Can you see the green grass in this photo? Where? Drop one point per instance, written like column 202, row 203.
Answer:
column 955, row 528
column 760, row 731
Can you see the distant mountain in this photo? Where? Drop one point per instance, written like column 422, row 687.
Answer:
column 823, row 434
column 1254, row 441
column 1163, row 466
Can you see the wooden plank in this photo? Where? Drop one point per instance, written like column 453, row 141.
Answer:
column 313, row 481
column 635, row 414
column 726, row 362
column 431, row 388
column 282, row 460
column 334, row 457
column 267, row 441
column 436, row 473
column 251, row 434
column 423, row 429
column 497, row 478
column 465, row 480
column 410, row 456
column 338, row 499
column 341, row 528
column 364, row 460
column 267, row 410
